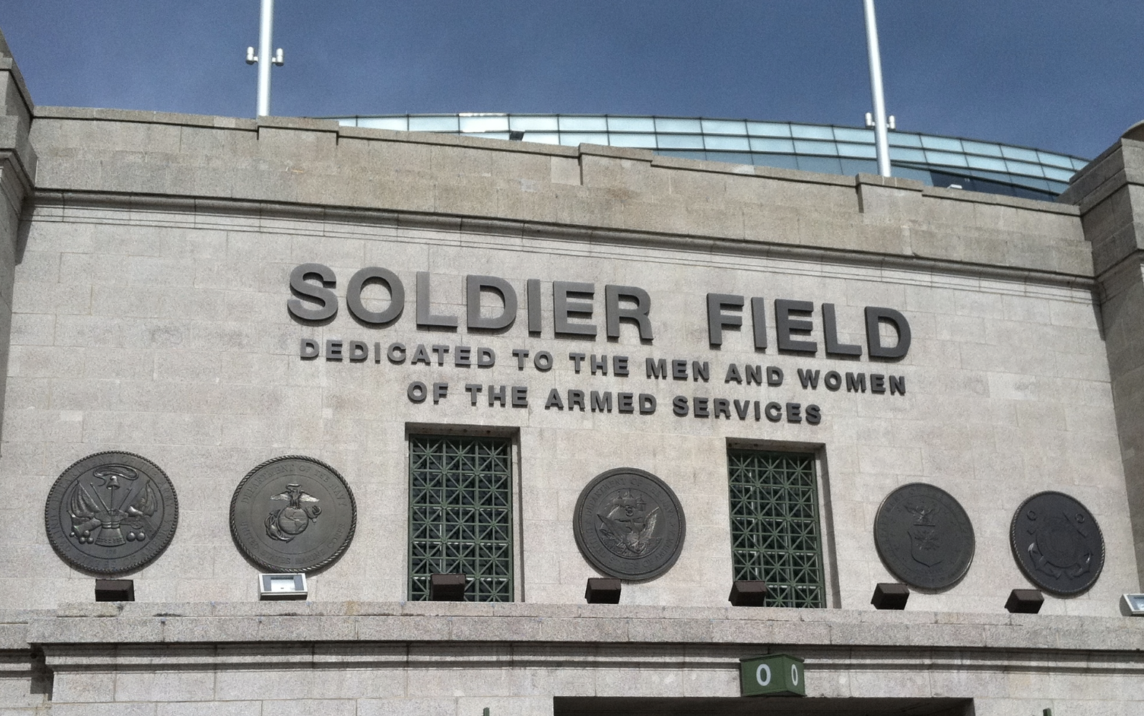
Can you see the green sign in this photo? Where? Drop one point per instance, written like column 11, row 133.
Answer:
column 772, row 675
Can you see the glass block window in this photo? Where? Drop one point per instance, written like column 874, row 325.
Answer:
column 775, row 533
column 460, row 515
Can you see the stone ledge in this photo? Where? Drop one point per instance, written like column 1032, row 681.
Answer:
column 393, row 135
column 710, row 167
column 975, row 197
column 424, row 622
column 606, row 150
column 304, row 124
column 145, row 117
column 890, row 182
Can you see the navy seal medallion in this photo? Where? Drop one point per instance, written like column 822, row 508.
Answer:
column 1057, row 543
column 924, row 536
column 293, row 514
column 111, row 513
column 629, row 524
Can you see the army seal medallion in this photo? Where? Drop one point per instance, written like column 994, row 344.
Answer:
column 629, row 524
column 924, row 536
column 293, row 514
column 1057, row 543
column 111, row 513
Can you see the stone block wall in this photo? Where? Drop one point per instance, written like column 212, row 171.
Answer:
column 151, row 316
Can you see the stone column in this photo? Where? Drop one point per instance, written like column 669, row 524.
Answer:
column 1110, row 194
column 17, row 177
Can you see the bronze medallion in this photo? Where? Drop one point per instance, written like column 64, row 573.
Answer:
column 629, row 524
column 293, row 514
column 1057, row 543
column 111, row 513
column 924, row 536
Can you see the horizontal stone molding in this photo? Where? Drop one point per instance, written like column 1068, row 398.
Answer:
column 100, row 626
column 346, row 222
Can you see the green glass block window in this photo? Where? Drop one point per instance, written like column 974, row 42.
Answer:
column 460, row 515
column 774, row 525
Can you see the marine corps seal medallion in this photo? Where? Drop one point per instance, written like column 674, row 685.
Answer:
column 924, row 536
column 629, row 524
column 293, row 514
column 111, row 513
column 1057, row 543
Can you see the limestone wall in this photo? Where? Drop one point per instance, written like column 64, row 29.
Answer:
column 151, row 316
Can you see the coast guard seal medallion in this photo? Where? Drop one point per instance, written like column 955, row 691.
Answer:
column 629, row 524
column 1057, row 543
column 111, row 513
column 293, row 514
column 924, row 536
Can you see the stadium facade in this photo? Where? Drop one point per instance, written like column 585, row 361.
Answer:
column 382, row 359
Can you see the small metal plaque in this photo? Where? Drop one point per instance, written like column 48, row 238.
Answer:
column 924, row 536
column 629, row 524
column 293, row 514
column 1057, row 543
column 772, row 675
column 111, row 513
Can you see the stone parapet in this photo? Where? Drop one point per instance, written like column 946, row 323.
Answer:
column 316, row 162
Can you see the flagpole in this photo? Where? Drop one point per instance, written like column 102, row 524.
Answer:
column 264, row 59
column 882, row 141
column 265, row 33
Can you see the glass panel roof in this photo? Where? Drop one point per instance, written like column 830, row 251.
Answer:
column 723, row 126
column 583, row 124
column 680, row 141
column 768, row 129
column 680, row 126
column 542, row 137
column 400, row 124
column 642, row 141
column 861, row 136
column 1000, row 168
column 430, row 123
column 529, row 123
column 762, row 144
column 727, row 144
column 484, row 124
column 631, row 124
column 809, row 131
column 572, row 139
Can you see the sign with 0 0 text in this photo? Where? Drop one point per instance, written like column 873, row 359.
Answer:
column 772, row 675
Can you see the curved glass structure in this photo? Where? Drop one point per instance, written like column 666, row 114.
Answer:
column 937, row 161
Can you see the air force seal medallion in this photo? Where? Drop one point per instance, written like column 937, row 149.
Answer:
column 924, row 536
column 293, row 514
column 629, row 524
column 111, row 513
column 1057, row 543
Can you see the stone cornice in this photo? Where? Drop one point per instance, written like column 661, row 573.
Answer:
column 535, row 626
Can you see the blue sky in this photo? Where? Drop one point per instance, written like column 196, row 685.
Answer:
column 1063, row 76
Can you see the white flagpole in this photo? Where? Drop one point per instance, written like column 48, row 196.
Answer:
column 881, row 139
column 265, row 33
column 264, row 59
